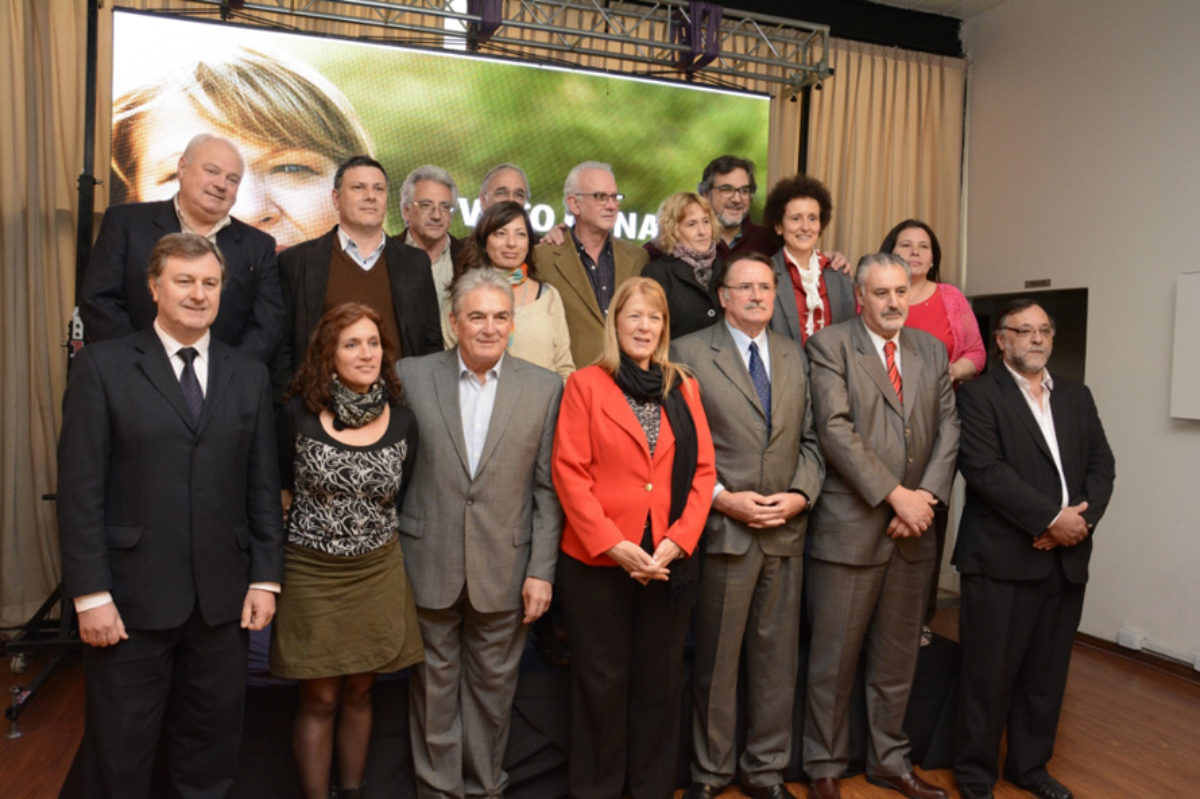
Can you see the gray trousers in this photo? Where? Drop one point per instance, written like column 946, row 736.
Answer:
column 851, row 607
column 460, row 699
column 750, row 601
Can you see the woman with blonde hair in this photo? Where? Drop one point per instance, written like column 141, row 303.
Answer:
column 687, row 234
column 633, row 467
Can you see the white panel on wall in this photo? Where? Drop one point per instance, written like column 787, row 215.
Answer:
column 1185, row 359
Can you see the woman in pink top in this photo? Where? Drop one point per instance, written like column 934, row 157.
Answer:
column 941, row 310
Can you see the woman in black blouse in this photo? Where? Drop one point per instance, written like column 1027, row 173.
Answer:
column 346, row 611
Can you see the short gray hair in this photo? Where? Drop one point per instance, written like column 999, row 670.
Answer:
column 878, row 259
column 474, row 279
column 497, row 169
column 571, row 184
column 427, row 172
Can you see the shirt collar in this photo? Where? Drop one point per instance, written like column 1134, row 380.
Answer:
column 464, row 371
column 186, row 226
column 743, row 341
column 878, row 341
column 350, row 246
column 173, row 347
column 1023, row 381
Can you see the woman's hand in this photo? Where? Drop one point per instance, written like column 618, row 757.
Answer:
column 285, row 499
column 667, row 552
column 962, row 369
column 634, row 560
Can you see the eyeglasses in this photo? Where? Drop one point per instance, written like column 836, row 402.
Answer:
column 1027, row 332
column 747, row 288
column 520, row 195
column 426, row 207
column 600, row 198
column 725, row 190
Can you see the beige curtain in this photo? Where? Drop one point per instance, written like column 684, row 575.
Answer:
column 886, row 136
column 41, row 96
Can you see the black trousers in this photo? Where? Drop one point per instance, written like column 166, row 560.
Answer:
column 1015, row 642
column 626, row 677
column 179, row 691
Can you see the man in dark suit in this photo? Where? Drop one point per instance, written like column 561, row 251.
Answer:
column 754, row 387
column 114, row 298
column 589, row 264
column 171, row 532
column 480, row 529
column 884, row 411
column 1039, row 475
column 341, row 267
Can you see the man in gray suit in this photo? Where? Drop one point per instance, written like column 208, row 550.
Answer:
column 481, row 526
column 754, row 386
column 884, row 411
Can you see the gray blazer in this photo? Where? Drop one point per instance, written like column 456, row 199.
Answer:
column 747, row 460
column 871, row 443
column 786, row 318
column 491, row 532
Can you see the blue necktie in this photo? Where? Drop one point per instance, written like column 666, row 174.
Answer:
column 190, row 384
column 762, row 383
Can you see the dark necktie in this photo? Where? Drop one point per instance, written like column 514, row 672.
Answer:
column 190, row 384
column 762, row 383
column 889, row 352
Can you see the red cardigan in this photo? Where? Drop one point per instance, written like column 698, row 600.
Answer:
column 606, row 479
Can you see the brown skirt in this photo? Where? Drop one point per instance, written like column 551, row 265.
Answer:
column 344, row 615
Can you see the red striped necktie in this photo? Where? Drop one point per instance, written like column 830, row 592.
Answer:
column 889, row 352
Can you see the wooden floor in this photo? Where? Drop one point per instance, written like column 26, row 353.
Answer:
column 1128, row 730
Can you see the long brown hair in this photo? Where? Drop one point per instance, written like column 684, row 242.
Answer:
column 312, row 379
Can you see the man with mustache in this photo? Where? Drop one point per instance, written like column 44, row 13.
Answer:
column 1039, row 476
column 114, row 298
column 357, row 262
column 754, row 387
column 884, row 411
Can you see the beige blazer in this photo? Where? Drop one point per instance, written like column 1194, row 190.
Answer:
column 490, row 532
column 871, row 443
column 789, row 459
column 559, row 265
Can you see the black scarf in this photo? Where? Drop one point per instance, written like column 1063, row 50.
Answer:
column 351, row 409
column 646, row 385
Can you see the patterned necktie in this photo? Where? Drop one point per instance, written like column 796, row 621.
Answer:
column 188, row 381
column 762, row 383
column 889, row 352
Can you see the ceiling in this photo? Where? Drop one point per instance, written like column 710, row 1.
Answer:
column 959, row 9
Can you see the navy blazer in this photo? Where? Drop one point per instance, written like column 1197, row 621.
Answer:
column 1013, row 487
column 164, row 513
column 114, row 299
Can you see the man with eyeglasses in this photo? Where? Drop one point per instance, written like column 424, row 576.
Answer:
column 588, row 265
column 754, row 387
column 356, row 262
column 503, row 183
column 1039, row 475
column 428, row 198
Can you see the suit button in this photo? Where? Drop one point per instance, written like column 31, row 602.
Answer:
column 910, row 460
column 472, row 502
column 649, row 486
column 711, row 312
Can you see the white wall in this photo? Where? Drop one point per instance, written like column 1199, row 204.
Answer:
column 1084, row 167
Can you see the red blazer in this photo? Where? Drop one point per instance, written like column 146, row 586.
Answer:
column 606, row 479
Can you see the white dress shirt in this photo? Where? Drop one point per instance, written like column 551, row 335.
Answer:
column 1045, row 421
column 742, row 342
column 350, row 247
column 476, row 400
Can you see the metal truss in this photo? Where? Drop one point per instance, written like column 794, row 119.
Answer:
column 691, row 40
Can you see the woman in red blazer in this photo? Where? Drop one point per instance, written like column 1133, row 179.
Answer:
column 633, row 466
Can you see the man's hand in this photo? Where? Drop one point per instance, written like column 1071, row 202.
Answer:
column 839, row 262
column 535, row 593
column 102, row 626
column 913, row 508
column 1068, row 529
column 898, row 529
column 258, row 609
column 785, row 504
column 748, row 507
column 556, row 235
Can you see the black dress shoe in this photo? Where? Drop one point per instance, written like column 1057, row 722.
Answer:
column 824, row 788
column 698, row 790
column 776, row 791
column 911, row 786
column 974, row 791
column 1048, row 788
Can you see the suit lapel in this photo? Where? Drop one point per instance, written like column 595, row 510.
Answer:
column 157, row 368
column 616, row 407
column 445, row 386
column 1065, row 432
column 567, row 263
column 316, row 277
column 623, row 264
column 166, row 220
column 912, row 376
column 1015, row 397
column 785, row 298
column 871, row 362
column 727, row 358
column 785, row 381
column 220, row 376
column 508, row 392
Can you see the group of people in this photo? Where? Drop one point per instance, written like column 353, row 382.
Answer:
column 404, row 449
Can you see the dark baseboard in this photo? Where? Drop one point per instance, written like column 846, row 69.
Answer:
column 1160, row 663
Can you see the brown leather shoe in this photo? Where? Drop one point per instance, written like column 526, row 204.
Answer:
column 824, row 788
column 911, row 786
